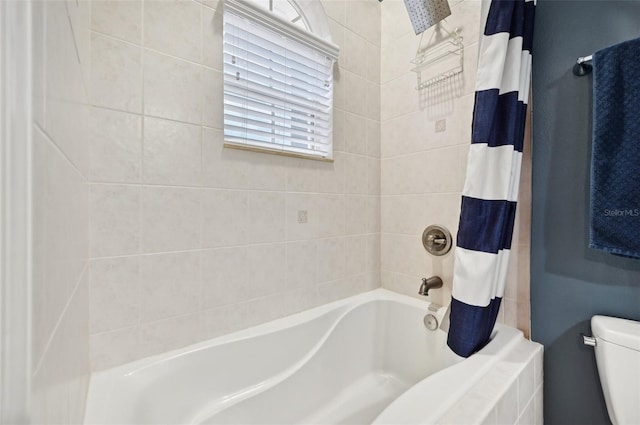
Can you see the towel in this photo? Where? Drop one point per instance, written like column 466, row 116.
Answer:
column 615, row 160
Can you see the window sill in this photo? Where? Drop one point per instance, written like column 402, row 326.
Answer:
column 250, row 148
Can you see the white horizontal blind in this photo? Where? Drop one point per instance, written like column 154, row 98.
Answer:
column 278, row 84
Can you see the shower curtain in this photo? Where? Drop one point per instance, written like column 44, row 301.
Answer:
column 493, row 173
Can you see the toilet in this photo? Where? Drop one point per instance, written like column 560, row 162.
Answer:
column 617, row 347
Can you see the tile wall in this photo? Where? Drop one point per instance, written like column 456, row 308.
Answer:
column 423, row 170
column 188, row 240
column 60, row 304
column 511, row 394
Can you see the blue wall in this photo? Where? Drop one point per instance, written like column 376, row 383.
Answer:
column 570, row 282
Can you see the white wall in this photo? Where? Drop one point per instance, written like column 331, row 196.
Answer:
column 189, row 240
column 60, row 301
column 423, row 170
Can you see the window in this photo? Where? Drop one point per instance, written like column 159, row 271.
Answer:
column 278, row 80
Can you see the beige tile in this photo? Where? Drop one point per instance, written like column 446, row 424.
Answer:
column 373, row 138
column 116, row 74
column 373, row 63
column 363, row 17
column 301, row 264
column 221, row 320
column 213, row 96
column 331, row 217
column 114, row 212
column 338, row 130
column 63, row 376
column 331, row 259
column 222, row 167
column 355, row 174
column 114, row 348
column 399, row 97
column 372, row 214
column 225, row 215
column 355, row 88
column 171, row 219
column 170, row 285
column 225, row 276
column 267, row 171
column 331, row 175
column 63, row 72
column 395, row 22
column 172, row 88
column 295, row 300
column 115, row 146
column 173, row 27
column 212, row 38
column 121, row 19
column 355, row 207
column 335, row 9
column 302, row 175
column 336, row 290
column 354, row 53
column 114, row 293
column 67, row 124
column 266, row 217
column 169, row 334
column 268, row 264
column 172, row 153
column 80, row 18
column 355, row 134
column 373, row 253
column 372, row 100
column 39, row 62
column 60, row 231
column 355, row 255
column 373, row 176
column 296, row 202
column 397, row 56
column 213, row 4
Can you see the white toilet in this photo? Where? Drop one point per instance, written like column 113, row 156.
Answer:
column 617, row 346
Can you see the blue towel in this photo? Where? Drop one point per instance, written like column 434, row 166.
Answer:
column 615, row 161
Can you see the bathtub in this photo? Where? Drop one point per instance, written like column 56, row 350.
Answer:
column 364, row 359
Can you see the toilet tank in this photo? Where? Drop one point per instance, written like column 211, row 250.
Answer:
column 618, row 359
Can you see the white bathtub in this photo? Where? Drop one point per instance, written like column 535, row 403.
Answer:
column 365, row 359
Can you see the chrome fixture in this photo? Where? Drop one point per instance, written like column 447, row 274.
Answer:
column 436, row 240
column 589, row 340
column 434, row 282
column 583, row 66
column 430, row 322
column 426, row 13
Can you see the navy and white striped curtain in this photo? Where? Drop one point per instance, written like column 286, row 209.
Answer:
column 493, row 174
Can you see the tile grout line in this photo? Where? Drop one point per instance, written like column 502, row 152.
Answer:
column 60, row 318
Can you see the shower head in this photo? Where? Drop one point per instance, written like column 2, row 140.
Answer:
column 426, row 13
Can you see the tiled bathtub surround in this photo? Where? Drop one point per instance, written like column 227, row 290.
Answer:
column 60, row 295
column 423, row 170
column 510, row 394
column 189, row 240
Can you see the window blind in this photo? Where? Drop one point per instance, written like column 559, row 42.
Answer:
column 278, row 83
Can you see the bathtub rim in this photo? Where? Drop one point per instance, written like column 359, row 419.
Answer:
column 379, row 294
column 102, row 382
column 443, row 388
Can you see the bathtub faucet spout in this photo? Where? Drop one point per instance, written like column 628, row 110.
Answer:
column 434, row 282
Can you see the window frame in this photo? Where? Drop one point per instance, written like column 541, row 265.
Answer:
column 312, row 12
